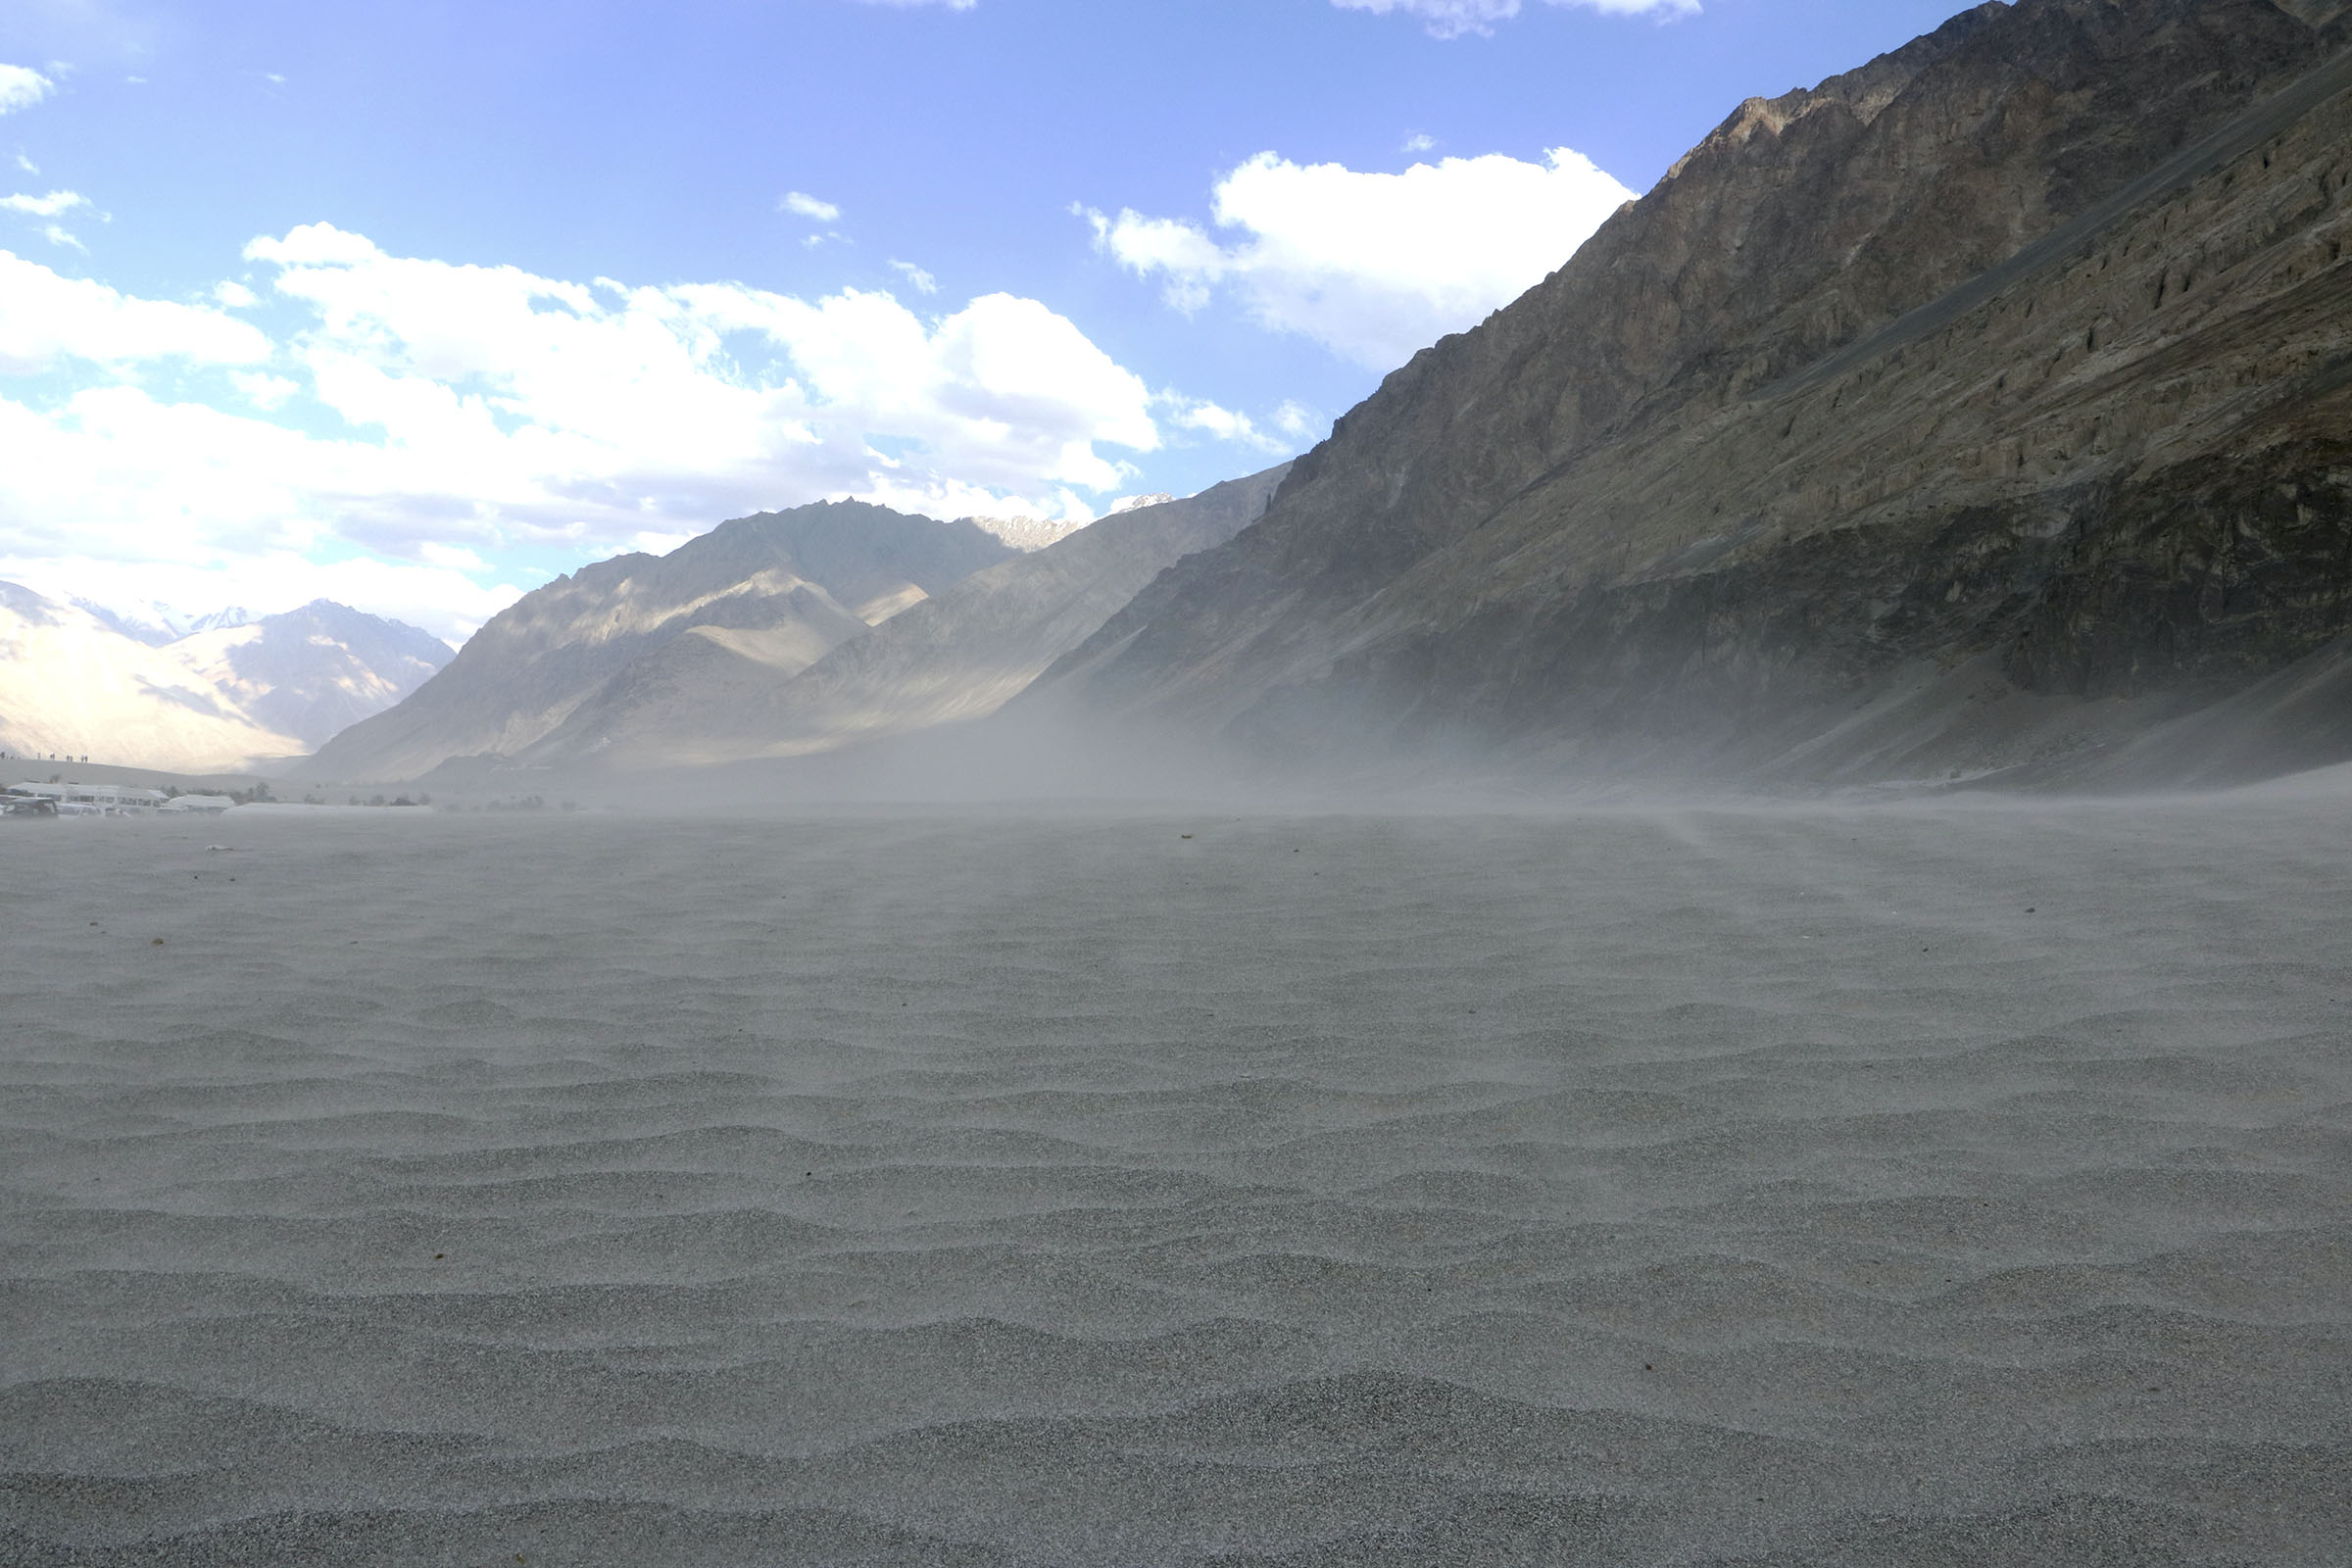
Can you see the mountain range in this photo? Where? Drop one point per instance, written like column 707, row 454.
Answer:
column 74, row 682
column 753, row 601
column 956, row 657
column 1984, row 412
column 780, row 635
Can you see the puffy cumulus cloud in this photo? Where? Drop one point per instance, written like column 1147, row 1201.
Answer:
column 115, row 472
column 808, row 207
column 1450, row 18
column 435, row 419
column 21, row 87
column 557, row 398
column 47, row 321
column 923, row 282
column 119, row 497
column 1373, row 266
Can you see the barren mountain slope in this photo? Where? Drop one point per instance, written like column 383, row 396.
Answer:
column 785, row 585
column 316, row 670
column 2007, row 371
column 72, row 685
column 957, row 657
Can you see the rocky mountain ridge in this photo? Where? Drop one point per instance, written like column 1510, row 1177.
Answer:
column 956, row 657
column 1908, row 420
column 758, row 599
column 313, row 671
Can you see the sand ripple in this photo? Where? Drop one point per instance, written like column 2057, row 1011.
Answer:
column 1756, row 1187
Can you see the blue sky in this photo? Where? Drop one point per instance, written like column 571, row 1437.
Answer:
column 417, row 304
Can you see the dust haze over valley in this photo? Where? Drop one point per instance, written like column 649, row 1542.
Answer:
column 1713, row 935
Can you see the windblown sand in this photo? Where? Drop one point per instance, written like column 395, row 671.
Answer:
column 1920, row 1184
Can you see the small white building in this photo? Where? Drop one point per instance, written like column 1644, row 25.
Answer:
column 94, row 800
column 117, row 799
column 197, row 805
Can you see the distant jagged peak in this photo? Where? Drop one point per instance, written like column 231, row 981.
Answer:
column 156, row 623
column 1036, row 533
column 1027, row 534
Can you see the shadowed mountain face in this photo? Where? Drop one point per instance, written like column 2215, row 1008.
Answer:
column 313, row 671
column 1909, row 423
column 774, row 591
column 957, row 657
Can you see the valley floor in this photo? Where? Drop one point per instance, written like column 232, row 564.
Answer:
column 1951, row 1182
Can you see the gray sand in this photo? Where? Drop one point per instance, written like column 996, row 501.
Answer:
column 1701, row 1186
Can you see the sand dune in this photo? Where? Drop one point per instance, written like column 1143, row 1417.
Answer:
column 1960, row 1181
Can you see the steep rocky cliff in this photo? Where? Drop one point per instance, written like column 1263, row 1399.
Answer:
column 770, row 593
column 1989, row 405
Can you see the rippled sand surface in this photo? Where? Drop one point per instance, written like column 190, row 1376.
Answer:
column 1928, row 1184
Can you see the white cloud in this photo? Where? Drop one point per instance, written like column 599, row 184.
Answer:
column 47, row 319
column 28, row 165
column 431, row 420
column 924, row 282
column 268, row 393
column 236, row 296
column 49, row 206
column 21, row 87
column 1420, row 141
column 1219, row 424
column 654, row 542
column 808, row 207
column 1375, row 266
column 1450, row 18
column 1295, row 419
column 453, row 557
